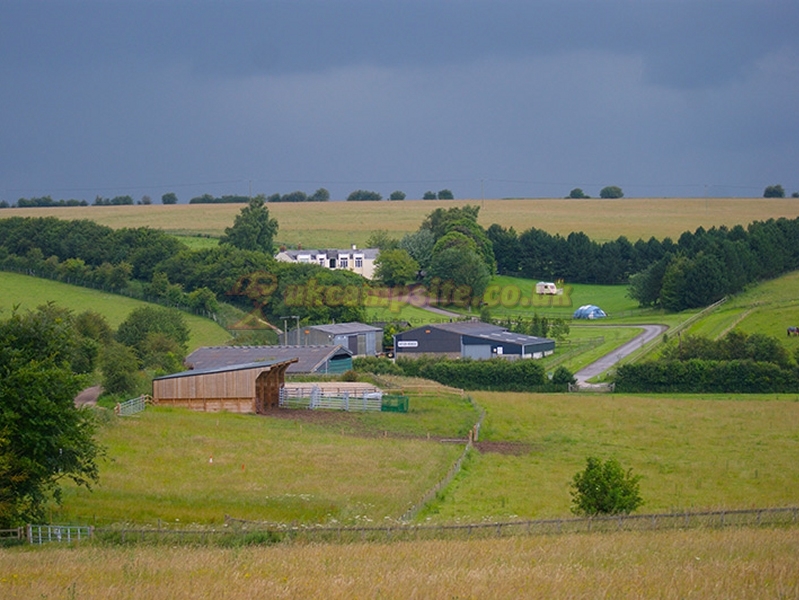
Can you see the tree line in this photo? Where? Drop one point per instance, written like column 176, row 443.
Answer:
column 737, row 363
column 696, row 270
column 320, row 195
column 149, row 264
column 449, row 246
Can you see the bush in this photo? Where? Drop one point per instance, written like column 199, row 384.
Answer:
column 364, row 196
column 605, row 489
column 774, row 191
column 349, row 376
column 376, row 365
column 563, row 376
column 611, row 191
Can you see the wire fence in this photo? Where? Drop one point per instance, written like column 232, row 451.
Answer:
column 243, row 532
column 238, row 532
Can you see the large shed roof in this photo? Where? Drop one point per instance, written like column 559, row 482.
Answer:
column 486, row 331
column 308, row 358
column 224, row 369
column 344, row 328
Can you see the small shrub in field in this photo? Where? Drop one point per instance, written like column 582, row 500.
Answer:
column 605, row 489
column 349, row 376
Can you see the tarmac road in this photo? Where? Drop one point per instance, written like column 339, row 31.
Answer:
column 649, row 332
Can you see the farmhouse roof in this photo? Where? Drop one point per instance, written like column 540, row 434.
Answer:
column 309, row 358
column 366, row 252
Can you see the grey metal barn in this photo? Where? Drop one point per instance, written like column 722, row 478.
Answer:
column 358, row 338
column 470, row 339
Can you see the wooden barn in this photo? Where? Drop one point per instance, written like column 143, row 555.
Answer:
column 244, row 388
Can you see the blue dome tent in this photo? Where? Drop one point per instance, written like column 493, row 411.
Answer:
column 589, row 311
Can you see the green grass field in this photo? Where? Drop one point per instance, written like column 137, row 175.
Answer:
column 693, row 452
column 29, row 292
column 188, row 467
column 769, row 308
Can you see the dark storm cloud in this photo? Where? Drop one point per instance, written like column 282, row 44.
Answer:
column 683, row 44
column 530, row 98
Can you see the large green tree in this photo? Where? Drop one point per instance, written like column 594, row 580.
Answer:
column 44, row 439
column 458, row 277
column 136, row 331
column 395, row 267
column 253, row 229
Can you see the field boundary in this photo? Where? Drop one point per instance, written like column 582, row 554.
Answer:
column 243, row 532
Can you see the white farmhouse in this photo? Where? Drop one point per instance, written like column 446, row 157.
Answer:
column 360, row 261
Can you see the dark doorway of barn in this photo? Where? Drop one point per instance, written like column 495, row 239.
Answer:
column 267, row 391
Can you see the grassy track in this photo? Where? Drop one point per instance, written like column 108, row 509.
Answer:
column 30, row 292
column 740, row 563
column 338, row 224
column 767, row 308
column 693, row 452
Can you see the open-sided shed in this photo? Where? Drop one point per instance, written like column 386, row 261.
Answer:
column 245, row 388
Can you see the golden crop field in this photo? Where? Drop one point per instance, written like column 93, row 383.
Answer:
column 339, row 224
column 732, row 563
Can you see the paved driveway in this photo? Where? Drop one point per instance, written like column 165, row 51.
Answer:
column 649, row 332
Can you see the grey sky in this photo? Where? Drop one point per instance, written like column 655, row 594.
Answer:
column 501, row 98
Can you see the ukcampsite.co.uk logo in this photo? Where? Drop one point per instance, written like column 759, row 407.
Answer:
column 261, row 286
column 512, row 296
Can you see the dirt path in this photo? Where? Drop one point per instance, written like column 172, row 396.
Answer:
column 88, row 397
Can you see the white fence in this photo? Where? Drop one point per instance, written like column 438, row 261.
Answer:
column 40, row 534
column 314, row 398
column 131, row 407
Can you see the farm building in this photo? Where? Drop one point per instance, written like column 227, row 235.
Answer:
column 310, row 359
column 589, row 311
column 358, row 338
column 244, row 388
column 470, row 339
column 358, row 261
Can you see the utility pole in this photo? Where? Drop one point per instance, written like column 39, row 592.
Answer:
column 285, row 331
column 298, row 328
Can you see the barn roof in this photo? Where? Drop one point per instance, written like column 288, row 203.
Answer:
column 225, row 369
column 344, row 328
column 309, row 358
column 509, row 337
column 486, row 331
column 466, row 327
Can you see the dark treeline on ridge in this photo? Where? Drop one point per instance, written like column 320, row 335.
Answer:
column 696, row 270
